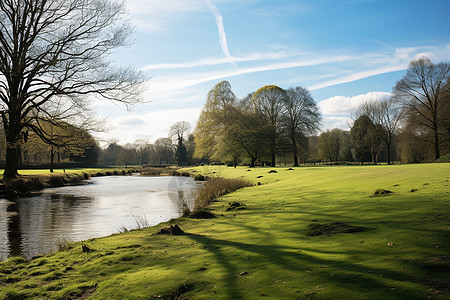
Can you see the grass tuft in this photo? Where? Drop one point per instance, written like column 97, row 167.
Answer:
column 183, row 205
column 141, row 222
column 62, row 243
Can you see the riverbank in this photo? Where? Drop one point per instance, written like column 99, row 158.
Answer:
column 36, row 180
column 263, row 248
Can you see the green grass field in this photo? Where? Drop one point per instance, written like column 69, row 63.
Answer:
column 263, row 250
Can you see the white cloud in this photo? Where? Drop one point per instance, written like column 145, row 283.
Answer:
column 359, row 75
column 152, row 15
column 130, row 121
column 170, row 83
column 423, row 55
column 341, row 105
column 380, row 63
column 158, row 7
column 404, row 54
column 217, row 61
column 331, row 122
column 151, row 125
column 222, row 36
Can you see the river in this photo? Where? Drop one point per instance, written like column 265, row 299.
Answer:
column 38, row 224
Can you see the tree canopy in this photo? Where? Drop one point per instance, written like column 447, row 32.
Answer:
column 263, row 125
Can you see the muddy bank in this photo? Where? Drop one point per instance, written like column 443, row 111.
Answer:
column 26, row 184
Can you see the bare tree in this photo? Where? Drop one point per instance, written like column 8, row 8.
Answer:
column 178, row 132
column 56, row 50
column 361, row 137
column 142, row 147
column 127, row 156
column 388, row 114
column 164, row 151
column 423, row 93
column 302, row 116
column 268, row 104
column 330, row 145
column 248, row 130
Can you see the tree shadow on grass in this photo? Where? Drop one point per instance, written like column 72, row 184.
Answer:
column 294, row 260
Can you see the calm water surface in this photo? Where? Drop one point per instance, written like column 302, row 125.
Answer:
column 35, row 225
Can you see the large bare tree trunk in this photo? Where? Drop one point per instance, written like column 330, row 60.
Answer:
column 294, row 149
column 252, row 162
column 52, row 158
column 12, row 163
column 437, row 153
column 388, row 153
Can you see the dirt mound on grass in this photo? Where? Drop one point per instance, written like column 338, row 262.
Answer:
column 380, row 192
column 172, row 230
column 235, row 205
column 315, row 229
column 202, row 214
column 178, row 293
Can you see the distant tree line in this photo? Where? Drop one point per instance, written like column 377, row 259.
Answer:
column 162, row 152
column 78, row 147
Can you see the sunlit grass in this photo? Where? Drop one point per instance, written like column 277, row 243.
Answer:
column 263, row 250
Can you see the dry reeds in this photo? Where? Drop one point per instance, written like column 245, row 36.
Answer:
column 216, row 187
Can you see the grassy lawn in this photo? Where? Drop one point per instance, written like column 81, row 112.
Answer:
column 263, row 250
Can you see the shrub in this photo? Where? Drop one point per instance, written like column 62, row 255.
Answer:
column 216, row 187
column 154, row 170
column 36, row 183
column 17, row 185
column 55, row 181
column 444, row 159
column 199, row 177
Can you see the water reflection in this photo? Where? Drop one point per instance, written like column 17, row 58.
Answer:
column 35, row 225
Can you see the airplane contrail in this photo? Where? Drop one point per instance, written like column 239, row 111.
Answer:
column 222, row 36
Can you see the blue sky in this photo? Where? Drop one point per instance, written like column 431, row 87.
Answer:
column 346, row 52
